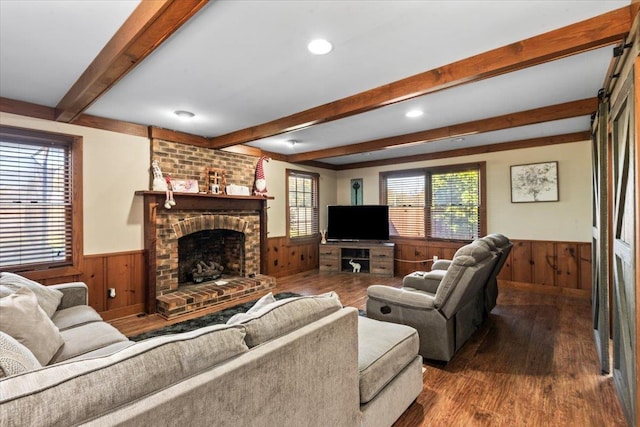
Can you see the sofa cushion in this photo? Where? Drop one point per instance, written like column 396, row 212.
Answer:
column 23, row 319
column 48, row 298
column 263, row 302
column 14, row 357
column 86, row 338
column 384, row 350
column 75, row 316
column 281, row 317
column 34, row 398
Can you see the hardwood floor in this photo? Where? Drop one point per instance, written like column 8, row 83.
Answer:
column 532, row 363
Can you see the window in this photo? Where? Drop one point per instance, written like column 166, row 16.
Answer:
column 302, row 204
column 39, row 200
column 436, row 203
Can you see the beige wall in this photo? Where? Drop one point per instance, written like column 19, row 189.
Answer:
column 275, row 172
column 115, row 165
column 566, row 220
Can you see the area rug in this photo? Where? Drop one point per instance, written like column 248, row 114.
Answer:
column 206, row 320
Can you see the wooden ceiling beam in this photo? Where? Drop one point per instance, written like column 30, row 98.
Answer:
column 538, row 115
column 150, row 24
column 483, row 149
column 583, row 36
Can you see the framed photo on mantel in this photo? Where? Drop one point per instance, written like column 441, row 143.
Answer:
column 534, row 182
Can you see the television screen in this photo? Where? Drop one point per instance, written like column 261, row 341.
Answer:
column 362, row 222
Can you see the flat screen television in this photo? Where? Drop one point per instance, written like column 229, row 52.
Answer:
column 361, row 222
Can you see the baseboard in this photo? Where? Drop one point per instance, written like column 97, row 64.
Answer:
column 545, row 289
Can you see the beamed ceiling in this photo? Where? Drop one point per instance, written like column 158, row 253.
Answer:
column 487, row 75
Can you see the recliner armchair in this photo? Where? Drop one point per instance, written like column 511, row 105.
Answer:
column 429, row 280
column 445, row 313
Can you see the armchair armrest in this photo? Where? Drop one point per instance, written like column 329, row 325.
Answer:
column 73, row 293
column 441, row 264
column 401, row 297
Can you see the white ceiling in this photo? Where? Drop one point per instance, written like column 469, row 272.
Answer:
column 237, row 64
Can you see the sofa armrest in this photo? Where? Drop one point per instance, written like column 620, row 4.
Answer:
column 73, row 293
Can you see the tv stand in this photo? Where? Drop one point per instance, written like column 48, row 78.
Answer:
column 374, row 258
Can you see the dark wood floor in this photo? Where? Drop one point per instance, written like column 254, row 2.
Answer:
column 533, row 363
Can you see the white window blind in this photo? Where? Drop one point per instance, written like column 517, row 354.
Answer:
column 302, row 204
column 35, row 202
column 439, row 203
column 455, row 204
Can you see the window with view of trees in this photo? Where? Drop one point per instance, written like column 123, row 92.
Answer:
column 302, row 204
column 37, row 200
column 436, row 203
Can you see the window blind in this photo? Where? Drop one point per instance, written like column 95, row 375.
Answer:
column 439, row 203
column 454, row 206
column 302, row 204
column 35, row 202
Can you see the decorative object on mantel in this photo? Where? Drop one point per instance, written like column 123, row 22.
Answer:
column 216, row 180
column 535, row 182
column 162, row 184
column 184, row 185
column 260, row 184
column 323, row 233
column 238, row 190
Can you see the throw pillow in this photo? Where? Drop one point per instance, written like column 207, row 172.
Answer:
column 23, row 319
column 260, row 304
column 286, row 315
column 48, row 298
column 14, row 357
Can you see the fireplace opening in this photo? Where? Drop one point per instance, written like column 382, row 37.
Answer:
column 210, row 255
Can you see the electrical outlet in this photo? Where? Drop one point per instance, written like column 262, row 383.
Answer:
column 111, row 292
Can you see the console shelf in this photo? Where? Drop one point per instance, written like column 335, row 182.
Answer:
column 373, row 258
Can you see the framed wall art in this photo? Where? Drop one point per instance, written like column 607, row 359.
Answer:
column 356, row 191
column 534, row 182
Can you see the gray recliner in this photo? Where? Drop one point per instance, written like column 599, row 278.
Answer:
column 447, row 316
column 429, row 280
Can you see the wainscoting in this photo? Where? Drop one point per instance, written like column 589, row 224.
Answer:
column 564, row 265
column 123, row 271
column 285, row 258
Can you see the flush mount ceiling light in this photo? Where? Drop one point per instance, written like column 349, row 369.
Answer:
column 319, row 47
column 184, row 115
column 292, row 142
column 414, row 113
column 458, row 140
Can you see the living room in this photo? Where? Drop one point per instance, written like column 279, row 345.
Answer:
column 116, row 203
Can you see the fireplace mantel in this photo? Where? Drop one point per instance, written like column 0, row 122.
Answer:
column 154, row 202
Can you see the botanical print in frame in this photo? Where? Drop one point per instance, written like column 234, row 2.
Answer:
column 535, row 182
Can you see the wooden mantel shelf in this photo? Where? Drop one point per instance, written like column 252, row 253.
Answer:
column 215, row 196
column 201, row 201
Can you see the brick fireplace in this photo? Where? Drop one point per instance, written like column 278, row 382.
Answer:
column 220, row 229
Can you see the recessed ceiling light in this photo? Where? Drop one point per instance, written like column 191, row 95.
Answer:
column 414, row 113
column 184, row 115
column 319, row 47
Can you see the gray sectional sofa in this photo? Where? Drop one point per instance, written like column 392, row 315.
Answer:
column 300, row 361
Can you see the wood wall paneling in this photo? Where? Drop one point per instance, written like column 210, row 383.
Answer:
column 544, row 263
column 567, row 274
column 522, row 262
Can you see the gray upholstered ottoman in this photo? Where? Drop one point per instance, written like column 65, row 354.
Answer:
column 390, row 370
